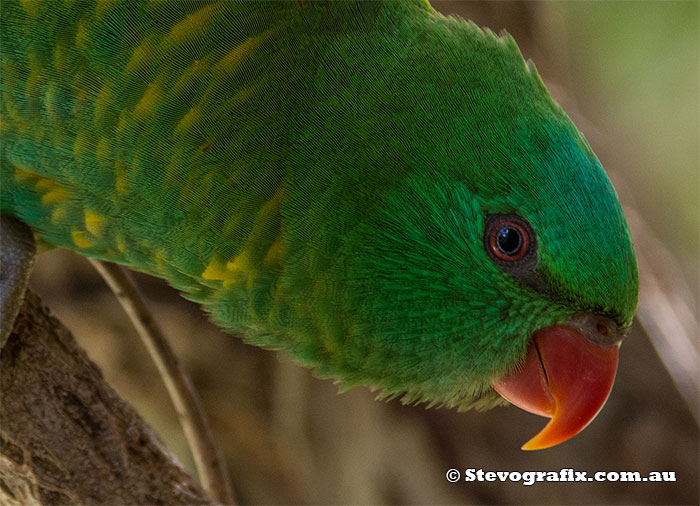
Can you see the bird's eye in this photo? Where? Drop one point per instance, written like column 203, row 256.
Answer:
column 510, row 242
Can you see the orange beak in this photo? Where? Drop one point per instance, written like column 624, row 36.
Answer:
column 565, row 377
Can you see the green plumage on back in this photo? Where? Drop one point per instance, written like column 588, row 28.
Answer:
column 320, row 176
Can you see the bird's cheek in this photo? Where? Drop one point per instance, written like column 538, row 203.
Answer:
column 565, row 377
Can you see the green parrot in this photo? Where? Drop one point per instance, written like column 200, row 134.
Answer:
column 389, row 195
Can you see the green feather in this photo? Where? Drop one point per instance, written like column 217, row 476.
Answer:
column 318, row 175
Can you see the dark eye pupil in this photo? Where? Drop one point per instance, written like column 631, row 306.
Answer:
column 509, row 240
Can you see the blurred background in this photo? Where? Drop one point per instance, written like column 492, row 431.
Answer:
column 627, row 73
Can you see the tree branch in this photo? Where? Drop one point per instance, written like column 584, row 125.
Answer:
column 210, row 465
column 65, row 436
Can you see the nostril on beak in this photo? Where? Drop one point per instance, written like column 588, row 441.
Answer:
column 598, row 329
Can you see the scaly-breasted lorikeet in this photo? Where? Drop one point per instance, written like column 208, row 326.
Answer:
column 389, row 195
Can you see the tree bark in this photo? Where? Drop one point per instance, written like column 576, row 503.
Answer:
column 66, row 437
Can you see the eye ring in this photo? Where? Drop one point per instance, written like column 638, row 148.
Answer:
column 509, row 241
column 516, row 254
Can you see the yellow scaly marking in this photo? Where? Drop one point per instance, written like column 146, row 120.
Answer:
column 81, row 239
column 142, row 56
column 58, row 214
column 53, row 191
column 236, row 267
column 81, row 35
column 160, row 260
column 15, row 118
column 54, row 195
column 216, row 270
column 81, row 143
column 34, row 74
column 31, row 7
column 188, row 120
column 50, row 101
column 146, row 105
column 230, row 272
column 197, row 69
column 234, row 57
column 102, row 153
column 193, row 25
column 123, row 123
column 23, row 173
column 44, row 183
column 119, row 242
column 103, row 6
column 120, row 179
column 173, row 166
column 274, row 252
column 94, row 223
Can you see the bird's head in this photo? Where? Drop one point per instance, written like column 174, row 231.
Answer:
column 501, row 265
column 521, row 280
